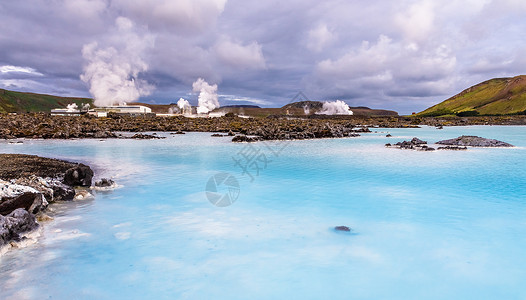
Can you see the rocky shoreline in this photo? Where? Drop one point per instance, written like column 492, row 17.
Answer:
column 28, row 184
column 45, row 126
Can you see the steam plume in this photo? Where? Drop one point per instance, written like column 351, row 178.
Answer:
column 184, row 106
column 337, row 107
column 72, row 107
column 207, row 100
column 112, row 72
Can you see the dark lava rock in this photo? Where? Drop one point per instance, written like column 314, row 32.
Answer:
column 62, row 192
column 104, row 182
column 32, row 202
column 414, row 144
column 474, row 141
column 417, row 141
column 342, row 228
column 244, row 138
column 217, row 135
column 15, row 166
column 142, row 136
column 14, row 224
column 80, row 175
column 453, row 148
column 388, row 135
column 362, row 129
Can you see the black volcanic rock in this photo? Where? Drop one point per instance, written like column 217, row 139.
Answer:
column 15, row 166
column 80, row 175
column 105, row 183
column 15, row 224
column 474, row 141
column 32, row 202
column 244, row 138
column 414, row 144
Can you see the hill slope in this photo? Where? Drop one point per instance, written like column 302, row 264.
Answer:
column 23, row 102
column 492, row 97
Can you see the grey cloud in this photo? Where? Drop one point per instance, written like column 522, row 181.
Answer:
column 270, row 50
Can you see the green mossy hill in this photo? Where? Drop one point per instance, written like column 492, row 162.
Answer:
column 499, row 96
column 11, row 101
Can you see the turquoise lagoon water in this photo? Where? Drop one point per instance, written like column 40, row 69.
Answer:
column 426, row 225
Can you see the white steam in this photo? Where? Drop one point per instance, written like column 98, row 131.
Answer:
column 207, row 100
column 73, row 107
column 306, row 109
column 112, row 72
column 337, row 107
column 184, row 106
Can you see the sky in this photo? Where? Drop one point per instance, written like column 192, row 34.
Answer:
column 399, row 55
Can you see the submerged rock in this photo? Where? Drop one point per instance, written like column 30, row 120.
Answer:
column 474, row 141
column 342, row 228
column 83, row 195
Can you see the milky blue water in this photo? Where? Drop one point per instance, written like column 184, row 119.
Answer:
column 426, row 225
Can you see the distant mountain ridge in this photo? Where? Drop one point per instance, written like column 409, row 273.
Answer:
column 11, row 102
column 498, row 96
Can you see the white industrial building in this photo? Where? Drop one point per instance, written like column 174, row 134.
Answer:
column 123, row 109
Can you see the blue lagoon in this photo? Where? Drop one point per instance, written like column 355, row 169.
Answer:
column 425, row 225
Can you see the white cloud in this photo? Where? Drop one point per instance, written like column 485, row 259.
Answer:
column 319, row 38
column 236, row 98
column 417, row 21
column 18, row 69
column 385, row 65
column 239, row 56
column 188, row 16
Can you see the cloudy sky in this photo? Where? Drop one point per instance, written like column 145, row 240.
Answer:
column 401, row 55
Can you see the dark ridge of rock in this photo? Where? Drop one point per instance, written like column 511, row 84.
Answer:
column 31, row 202
column 13, row 166
column 388, row 135
column 218, row 135
column 80, row 175
column 342, row 228
column 15, row 224
column 474, row 141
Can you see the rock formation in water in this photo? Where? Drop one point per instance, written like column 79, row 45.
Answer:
column 474, row 141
